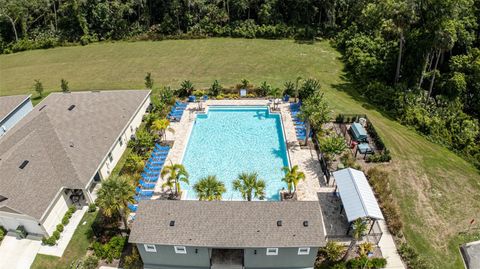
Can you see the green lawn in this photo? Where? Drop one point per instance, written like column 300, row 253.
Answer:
column 76, row 249
column 438, row 192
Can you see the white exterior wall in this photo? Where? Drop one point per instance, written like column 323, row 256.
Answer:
column 54, row 217
column 16, row 116
column 118, row 150
column 11, row 221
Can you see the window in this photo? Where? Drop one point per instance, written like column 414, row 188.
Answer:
column 120, row 141
column 180, row 250
column 110, row 157
column 150, row 248
column 303, row 251
column 272, row 251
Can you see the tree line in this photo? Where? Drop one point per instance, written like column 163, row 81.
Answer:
column 419, row 60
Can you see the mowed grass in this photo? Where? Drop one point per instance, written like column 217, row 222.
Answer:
column 439, row 193
column 76, row 249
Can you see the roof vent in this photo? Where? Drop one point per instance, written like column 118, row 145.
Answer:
column 71, row 144
column 42, row 107
column 305, row 223
column 2, row 198
column 279, row 223
column 172, row 223
column 71, row 107
column 23, row 164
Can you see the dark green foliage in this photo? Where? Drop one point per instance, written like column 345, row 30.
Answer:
column 411, row 257
column 215, row 89
column 38, row 87
column 365, row 263
column 92, row 207
column 64, row 85
column 111, row 250
column 309, row 87
column 2, row 233
column 65, row 220
column 60, row 228
column 133, row 261
column 89, row 262
column 186, row 89
column 149, row 81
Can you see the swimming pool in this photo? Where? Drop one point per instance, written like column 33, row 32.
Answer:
column 229, row 140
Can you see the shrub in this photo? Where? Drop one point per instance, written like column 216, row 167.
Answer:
column 133, row 260
column 92, row 207
column 51, row 241
column 72, row 209
column 111, row 250
column 60, row 228
column 383, row 157
column 56, row 235
column 2, row 233
column 215, row 89
column 65, row 220
column 378, row 262
column 89, row 262
column 333, row 251
column 411, row 257
column 339, row 265
column 379, row 180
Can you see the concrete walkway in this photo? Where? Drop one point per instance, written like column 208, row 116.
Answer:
column 65, row 236
column 389, row 249
column 18, row 253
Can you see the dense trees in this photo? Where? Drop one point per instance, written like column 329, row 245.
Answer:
column 418, row 60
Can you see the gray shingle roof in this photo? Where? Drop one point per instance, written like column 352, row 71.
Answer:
column 64, row 148
column 234, row 224
column 9, row 103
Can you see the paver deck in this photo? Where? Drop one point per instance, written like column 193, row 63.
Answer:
column 314, row 185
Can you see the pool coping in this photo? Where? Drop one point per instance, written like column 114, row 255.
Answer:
column 205, row 111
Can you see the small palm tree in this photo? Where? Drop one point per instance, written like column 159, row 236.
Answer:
column 292, row 177
column 176, row 173
column 359, row 229
column 315, row 112
column 160, row 126
column 209, row 188
column 114, row 195
column 250, row 186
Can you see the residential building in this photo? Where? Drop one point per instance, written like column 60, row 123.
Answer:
column 12, row 110
column 59, row 153
column 190, row 234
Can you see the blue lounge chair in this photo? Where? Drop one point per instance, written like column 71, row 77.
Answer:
column 172, row 118
column 132, row 207
column 146, row 193
column 177, row 103
column 150, row 179
column 139, row 198
column 162, row 147
column 147, row 185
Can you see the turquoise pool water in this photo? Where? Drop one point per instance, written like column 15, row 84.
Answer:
column 231, row 140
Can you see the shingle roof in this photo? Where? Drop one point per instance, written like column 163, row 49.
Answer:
column 234, row 224
column 64, row 148
column 356, row 194
column 9, row 103
column 471, row 254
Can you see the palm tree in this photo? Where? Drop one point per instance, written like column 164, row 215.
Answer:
column 176, row 173
column 359, row 229
column 292, row 177
column 209, row 188
column 315, row 112
column 114, row 195
column 161, row 126
column 249, row 185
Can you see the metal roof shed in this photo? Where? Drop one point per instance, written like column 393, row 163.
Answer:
column 356, row 195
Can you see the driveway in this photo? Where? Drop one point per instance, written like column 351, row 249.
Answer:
column 18, row 254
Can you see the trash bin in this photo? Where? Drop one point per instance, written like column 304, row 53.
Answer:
column 286, row 98
column 192, row 98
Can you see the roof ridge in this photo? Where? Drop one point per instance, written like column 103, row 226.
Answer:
column 358, row 190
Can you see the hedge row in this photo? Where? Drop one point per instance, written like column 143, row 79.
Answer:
column 52, row 240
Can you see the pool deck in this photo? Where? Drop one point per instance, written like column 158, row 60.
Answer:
column 305, row 158
column 313, row 188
